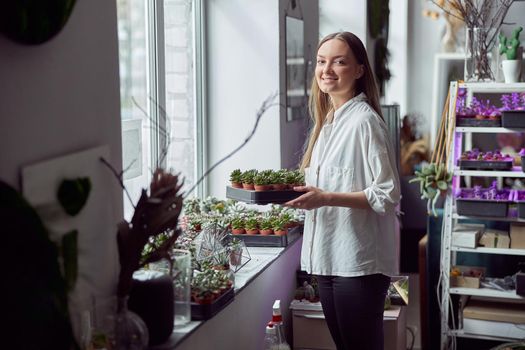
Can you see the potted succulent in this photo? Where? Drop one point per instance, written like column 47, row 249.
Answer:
column 247, row 179
column 237, row 225
column 474, row 159
column 251, row 225
column 195, row 223
column 261, row 181
column 279, row 226
column 480, row 201
column 478, row 114
column 235, row 248
column 434, row 181
column 513, row 110
column 289, row 179
column 511, row 48
column 236, row 178
column 278, row 182
column 266, row 226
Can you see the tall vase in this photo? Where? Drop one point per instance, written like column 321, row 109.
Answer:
column 477, row 59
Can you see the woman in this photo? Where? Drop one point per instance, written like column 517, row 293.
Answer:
column 351, row 192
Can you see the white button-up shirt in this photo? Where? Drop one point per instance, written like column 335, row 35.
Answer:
column 352, row 154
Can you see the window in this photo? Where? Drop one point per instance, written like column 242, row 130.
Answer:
column 161, row 104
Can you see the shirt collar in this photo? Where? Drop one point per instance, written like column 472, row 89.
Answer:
column 344, row 107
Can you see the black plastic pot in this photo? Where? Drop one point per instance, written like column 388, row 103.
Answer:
column 513, row 119
column 473, row 207
column 271, row 240
column 523, row 163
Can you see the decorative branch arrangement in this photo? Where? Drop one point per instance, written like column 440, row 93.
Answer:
column 153, row 227
column 487, row 16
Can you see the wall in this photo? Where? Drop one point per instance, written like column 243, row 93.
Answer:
column 63, row 96
column 294, row 133
column 339, row 15
column 243, row 54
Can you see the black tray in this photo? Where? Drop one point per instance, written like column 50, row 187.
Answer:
column 206, row 311
column 521, row 209
column 261, row 197
column 485, row 164
column 472, row 207
column 473, row 122
column 259, row 240
column 523, row 163
column 513, row 119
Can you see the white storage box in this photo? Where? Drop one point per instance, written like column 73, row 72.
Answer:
column 311, row 332
column 467, row 235
column 494, row 328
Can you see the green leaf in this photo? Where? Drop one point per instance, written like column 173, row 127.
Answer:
column 431, row 192
column 70, row 258
column 442, row 185
column 416, row 179
column 73, row 194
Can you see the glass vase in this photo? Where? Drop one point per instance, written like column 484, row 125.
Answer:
column 181, row 275
column 477, row 58
column 129, row 331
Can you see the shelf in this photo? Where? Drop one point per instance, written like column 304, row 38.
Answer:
column 515, row 172
column 493, row 87
column 493, row 130
column 485, row 292
column 511, row 218
column 483, row 250
column 460, row 333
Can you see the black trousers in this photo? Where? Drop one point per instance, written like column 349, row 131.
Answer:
column 353, row 309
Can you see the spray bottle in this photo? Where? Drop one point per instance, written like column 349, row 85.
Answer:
column 277, row 321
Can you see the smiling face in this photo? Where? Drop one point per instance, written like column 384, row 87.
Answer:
column 337, row 70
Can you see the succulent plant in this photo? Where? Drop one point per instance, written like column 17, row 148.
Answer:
column 479, row 193
column 261, row 179
column 433, row 181
column 237, row 223
column 475, row 154
column 248, row 176
column 236, row 176
column 251, row 223
column 266, row 223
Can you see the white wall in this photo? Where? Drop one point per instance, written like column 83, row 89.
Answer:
column 243, row 70
column 342, row 15
column 396, row 87
column 63, row 96
column 294, row 133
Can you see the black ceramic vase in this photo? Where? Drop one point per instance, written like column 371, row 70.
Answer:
column 151, row 298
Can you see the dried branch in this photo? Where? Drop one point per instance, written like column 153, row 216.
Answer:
column 267, row 104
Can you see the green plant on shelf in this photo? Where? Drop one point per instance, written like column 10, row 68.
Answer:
column 237, row 223
column 434, row 181
column 251, row 223
column 248, row 176
column 261, row 179
column 236, row 176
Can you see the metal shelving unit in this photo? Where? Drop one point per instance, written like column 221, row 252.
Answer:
column 450, row 218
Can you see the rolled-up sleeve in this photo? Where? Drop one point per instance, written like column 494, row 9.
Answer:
column 383, row 194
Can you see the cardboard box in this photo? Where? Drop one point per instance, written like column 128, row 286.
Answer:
column 517, row 236
column 495, row 311
column 469, row 276
column 467, row 235
column 495, row 239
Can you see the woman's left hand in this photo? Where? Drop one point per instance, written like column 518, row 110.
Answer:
column 312, row 198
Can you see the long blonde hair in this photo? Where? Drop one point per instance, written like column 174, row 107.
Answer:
column 320, row 104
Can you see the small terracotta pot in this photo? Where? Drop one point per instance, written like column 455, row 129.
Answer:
column 279, row 187
column 238, row 231
column 479, row 116
column 252, row 232
column 280, row 232
column 236, row 185
column 266, row 232
column 249, row 187
column 262, row 187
